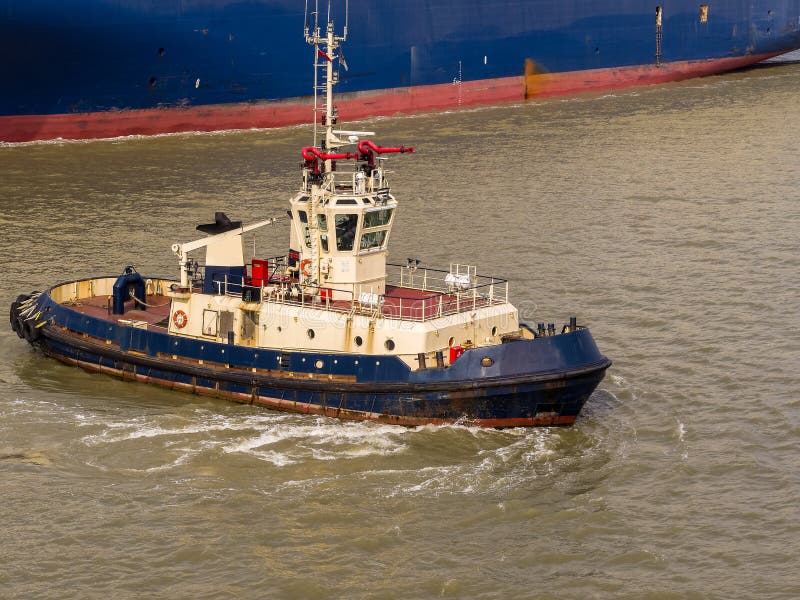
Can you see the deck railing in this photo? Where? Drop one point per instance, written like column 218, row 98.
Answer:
column 418, row 294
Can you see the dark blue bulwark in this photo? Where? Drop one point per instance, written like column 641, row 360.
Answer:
column 543, row 378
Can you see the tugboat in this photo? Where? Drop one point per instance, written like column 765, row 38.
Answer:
column 330, row 328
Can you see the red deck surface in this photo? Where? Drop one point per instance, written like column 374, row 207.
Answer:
column 99, row 308
column 400, row 302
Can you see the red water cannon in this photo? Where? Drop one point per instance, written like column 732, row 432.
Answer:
column 312, row 156
column 368, row 151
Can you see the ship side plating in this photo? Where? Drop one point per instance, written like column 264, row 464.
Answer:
column 103, row 69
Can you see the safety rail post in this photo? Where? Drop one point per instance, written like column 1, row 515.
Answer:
column 424, row 301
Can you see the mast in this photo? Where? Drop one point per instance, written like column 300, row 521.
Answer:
column 325, row 46
column 325, row 50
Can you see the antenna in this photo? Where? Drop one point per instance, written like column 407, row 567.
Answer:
column 324, row 59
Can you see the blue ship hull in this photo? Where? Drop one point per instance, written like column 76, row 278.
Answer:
column 543, row 381
column 87, row 68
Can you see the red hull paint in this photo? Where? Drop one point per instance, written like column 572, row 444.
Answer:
column 360, row 105
column 305, row 408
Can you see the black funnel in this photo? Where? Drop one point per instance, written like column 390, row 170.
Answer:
column 221, row 224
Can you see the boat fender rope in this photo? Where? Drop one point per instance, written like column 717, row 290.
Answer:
column 143, row 303
column 180, row 319
column 303, row 265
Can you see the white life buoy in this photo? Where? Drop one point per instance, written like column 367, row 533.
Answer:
column 180, row 319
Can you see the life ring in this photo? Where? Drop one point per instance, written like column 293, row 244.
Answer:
column 180, row 319
column 303, row 264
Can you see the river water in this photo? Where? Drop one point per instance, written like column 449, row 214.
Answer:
column 666, row 218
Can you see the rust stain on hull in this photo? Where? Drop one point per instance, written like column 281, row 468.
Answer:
column 544, row 420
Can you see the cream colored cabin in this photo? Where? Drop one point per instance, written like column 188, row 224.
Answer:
column 342, row 240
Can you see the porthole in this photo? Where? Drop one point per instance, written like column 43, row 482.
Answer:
column 494, row 330
column 358, row 340
column 311, row 334
column 389, row 344
column 279, row 328
column 319, row 364
column 451, row 341
column 486, row 362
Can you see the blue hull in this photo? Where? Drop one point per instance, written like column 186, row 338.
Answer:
column 92, row 56
column 544, row 381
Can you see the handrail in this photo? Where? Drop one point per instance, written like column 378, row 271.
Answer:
column 396, row 304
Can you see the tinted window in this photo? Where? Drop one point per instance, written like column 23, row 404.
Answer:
column 322, row 222
column 377, row 218
column 345, row 231
column 373, row 239
column 304, row 227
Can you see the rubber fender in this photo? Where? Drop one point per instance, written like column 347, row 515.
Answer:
column 16, row 321
column 30, row 332
column 13, row 317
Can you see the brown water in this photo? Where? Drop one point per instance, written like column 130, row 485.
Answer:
column 668, row 219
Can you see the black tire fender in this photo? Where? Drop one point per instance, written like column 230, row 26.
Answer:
column 30, row 332
column 14, row 318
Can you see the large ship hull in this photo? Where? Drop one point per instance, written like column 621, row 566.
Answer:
column 536, row 382
column 99, row 69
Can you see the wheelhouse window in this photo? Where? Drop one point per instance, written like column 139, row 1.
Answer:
column 346, row 226
column 377, row 218
column 304, row 227
column 322, row 223
column 372, row 239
